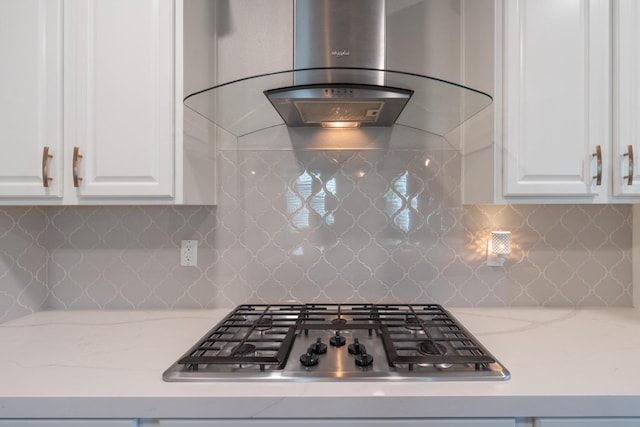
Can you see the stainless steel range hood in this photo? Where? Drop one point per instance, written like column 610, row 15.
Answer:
column 339, row 80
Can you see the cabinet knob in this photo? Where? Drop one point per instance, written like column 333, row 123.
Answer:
column 76, row 159
column 629, row 155
column 46, row 157
column 598, row 156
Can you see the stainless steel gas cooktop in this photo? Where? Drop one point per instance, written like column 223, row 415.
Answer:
column 329, row 342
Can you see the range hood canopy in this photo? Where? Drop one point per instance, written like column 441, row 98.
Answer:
column 338, row 80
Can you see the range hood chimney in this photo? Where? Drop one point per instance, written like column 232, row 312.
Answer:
column 339, row 80
column 327, row 37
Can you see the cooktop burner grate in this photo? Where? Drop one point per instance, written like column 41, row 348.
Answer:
column 259, row 335
column 411, row 335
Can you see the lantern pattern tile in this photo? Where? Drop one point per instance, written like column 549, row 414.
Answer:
column 334, row 226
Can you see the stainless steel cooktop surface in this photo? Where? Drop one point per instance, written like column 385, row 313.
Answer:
column 329, row 342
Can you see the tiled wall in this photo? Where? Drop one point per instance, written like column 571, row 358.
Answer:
column 317, row 226
column 23, row 261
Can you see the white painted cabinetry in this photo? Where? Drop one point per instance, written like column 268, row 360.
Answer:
column 68, row 423
column 115, row 61
column 556, row 98
column 586, row 422
column 555, row 112
column 119, row 98
column 626, row 97
column 31, row 98
column 488, row 422
column 115, row 132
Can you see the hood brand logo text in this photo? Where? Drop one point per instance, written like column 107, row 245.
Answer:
column 340, row 53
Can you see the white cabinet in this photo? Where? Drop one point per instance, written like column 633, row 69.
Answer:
column 556, row 97
column 117, row 109
column 68, row 423
column 115, row 132
column 119, row 98
column 586, row 422
column 31, row 94
column 554, row 115
column 488, row 422
column 626, row 97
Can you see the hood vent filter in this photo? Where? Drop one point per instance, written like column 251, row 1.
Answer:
column 349, row 104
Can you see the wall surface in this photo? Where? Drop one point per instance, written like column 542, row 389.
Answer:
column 324, row 226
column 23, row 261
column 383, row 224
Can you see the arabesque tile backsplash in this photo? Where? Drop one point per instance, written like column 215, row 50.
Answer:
column 376, row 226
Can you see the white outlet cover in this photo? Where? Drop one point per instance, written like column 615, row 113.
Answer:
column 189, row 253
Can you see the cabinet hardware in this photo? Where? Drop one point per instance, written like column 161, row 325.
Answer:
column 46, row 157
column 598, row 175
column 629, row 154
column 76, row 159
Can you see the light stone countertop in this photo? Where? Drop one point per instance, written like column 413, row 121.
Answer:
column 109, row 364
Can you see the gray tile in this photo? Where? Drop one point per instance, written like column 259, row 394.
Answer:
column 317, row 226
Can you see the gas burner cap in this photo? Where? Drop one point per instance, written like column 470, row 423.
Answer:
column 430, row 348
column 244, row 350
column 413, row 323
column 264, row 324
column 339, row 321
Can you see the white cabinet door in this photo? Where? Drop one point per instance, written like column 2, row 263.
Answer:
column 626, row 97
column 68, row 423
column 31, row 95
column 556, row 97
column 587, row 422
column 489, row 422
column 119, row 93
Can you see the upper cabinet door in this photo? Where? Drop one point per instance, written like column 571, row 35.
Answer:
column 626, row 98
column 556, row 97
column 119, row 112
column 31, row 94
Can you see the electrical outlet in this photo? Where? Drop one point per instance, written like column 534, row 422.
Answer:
column 189, row 253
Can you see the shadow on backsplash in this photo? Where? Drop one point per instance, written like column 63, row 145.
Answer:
column 326, row 226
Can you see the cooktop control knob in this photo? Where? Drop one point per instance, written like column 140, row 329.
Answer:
column 363, row 359
column 318, row 347
column 356, row 347
column 309, row 358
column 337, row 340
